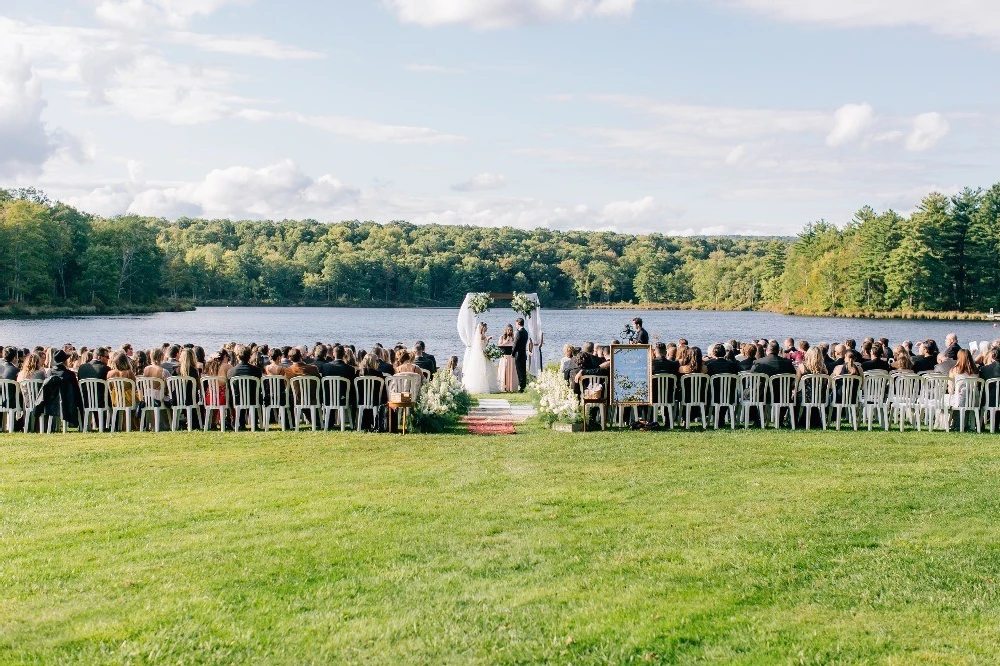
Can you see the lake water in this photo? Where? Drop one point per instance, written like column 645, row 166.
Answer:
column 211, row 327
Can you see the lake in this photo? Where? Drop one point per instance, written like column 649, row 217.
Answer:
column 211, row 327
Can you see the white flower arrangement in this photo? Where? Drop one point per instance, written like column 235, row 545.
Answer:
column 554, row 398
column 442, row 400
column 480, row 303
column 522, row 305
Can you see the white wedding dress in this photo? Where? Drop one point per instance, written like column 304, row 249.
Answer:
column 479, row 374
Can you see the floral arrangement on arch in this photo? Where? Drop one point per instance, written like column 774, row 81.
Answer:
column 554, row 398
column 480, row 303
column 522, row 305
column 443, row 400
column 493, row 352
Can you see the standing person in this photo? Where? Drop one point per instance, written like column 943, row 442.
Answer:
column 521, row 354
column 641, row 334
column 506, row 373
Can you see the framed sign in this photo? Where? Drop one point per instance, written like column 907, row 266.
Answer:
column 631, row 372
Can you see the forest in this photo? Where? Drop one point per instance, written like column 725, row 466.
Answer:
column 942, row 257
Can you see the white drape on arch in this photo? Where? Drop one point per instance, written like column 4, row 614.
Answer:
column 466, row 327
column 533, row 324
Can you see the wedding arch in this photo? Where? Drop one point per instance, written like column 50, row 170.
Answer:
column 468, row 319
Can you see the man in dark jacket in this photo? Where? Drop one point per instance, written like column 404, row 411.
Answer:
column 61, row 392
column 773, row 363
column 718, row 364
column 243, row 367
column 927, row 359
column 424, row 361
column 10, row 366
column 98, row 368
column 877, row 362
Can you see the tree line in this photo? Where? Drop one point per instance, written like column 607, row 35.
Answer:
column 944, row 256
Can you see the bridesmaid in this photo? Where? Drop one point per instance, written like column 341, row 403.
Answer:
column 507, row 372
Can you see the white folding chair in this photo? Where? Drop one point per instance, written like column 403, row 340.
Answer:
column 753, row 394
column 96, row 401
column 935, row 401
column 905, row 400
column 213, row 392
column 275, row 400
column 369, row 393
column 337, row 400
column 694, row 395
column 152, row 390
column 875, row 398
column 782, row 398
column 968, row 399
column 991, row 402
column 123, row 401
column 844, row 393
column 587, row 384
column 665, row 390
column 813, row 394
column 245, row 392
column 305, row 400
column 183, row 393
column 723, row 397
column 31, row 394
column 11, row 405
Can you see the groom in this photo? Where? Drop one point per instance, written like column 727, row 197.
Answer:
column 521, row 354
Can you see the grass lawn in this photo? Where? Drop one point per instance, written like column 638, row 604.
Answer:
column 684, row 548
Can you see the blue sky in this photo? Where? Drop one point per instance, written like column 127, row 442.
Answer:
column 671, row 116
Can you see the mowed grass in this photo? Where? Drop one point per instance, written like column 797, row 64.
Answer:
column 608, row 548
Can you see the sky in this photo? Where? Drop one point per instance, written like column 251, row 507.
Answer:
column 670, row 116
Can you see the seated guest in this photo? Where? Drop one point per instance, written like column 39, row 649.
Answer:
column 851, row 366
column 875, row 359
column 98, row 368
column 718, row 364
column 662, row 365
column 170, row 363
column 275, row 367
column 928, row 357
column 453, row 368
column 866, row 350
column 339, row 367
column 944, row 364
column 812, row 364
column 692, row 362
column 424, row 360
column 60, row 390
column 31, row 368
column 749, row 354
column 772, row 363
column 991, row 366
column 156, row 370
column 121, row 368
column 888, row 350
column 298, row 367
column 381, row 354
column 902, row 361
column 406, row 363
column 11, row 367
column 568, row 364
column 963, row 368
column 370, row 368
column 243, row 367
column 951, row 347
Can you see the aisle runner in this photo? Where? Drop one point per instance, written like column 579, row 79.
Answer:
column 496, row 417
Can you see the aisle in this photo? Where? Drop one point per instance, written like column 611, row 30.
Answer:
column 494, row 416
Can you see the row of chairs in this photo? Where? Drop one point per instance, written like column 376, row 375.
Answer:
column 888, row 399
column 114, row 404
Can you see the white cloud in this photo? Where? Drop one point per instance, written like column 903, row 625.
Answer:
column 483, row 181
column 736, row 155
column 144, row 14
column 492, row 14
column 274, row 192
column 928, row 129
column 26, row 143
column 242, row 45
column 433, row 69
column 963, row 18
column 367, row 130
column 849, row 122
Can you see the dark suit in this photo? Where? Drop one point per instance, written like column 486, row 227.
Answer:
column 9, row 371
column 774, row 365
column 876, row 364
column 952, row 351
column 521, row 357
column 722, row 366
column 386, row 369
column 93, row 370
column 746, row 365
column 923, row 363
column 426, row 362
column 642, row 337
column 991, row 371
column 245, row 370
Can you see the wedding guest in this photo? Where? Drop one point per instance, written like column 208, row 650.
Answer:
column 298, row 367
column 944, row 364
column 875, row 359
column 243, row 367
column 749, row 354
column 406, row 363
column 275, row 367
column 718, row 364
column 424, row 360
column 902, row 361
column 97, row 368
column 991, row 364
column 453, row 368
column 121, row 368
column 31, row 368
column 772, row 363
column 61, row 390
column 382, row 356
column 951, row 347
column 692, row 362
column 140, row 360
column 156, row 370
column 10, row 364
column 568, row 364
column 170, row 363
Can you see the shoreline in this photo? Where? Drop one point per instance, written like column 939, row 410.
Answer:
column 23, row 312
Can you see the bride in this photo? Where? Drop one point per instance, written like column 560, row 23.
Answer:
column 479, row 374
